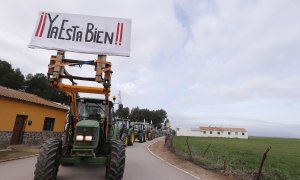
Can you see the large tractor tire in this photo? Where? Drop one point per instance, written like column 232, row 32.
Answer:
column 116, row 163
column 124, row 138
column 141, row 138
column 47, row 164
column 131, row 139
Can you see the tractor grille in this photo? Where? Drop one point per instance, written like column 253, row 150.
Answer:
column 84, row 143
column 86, row 131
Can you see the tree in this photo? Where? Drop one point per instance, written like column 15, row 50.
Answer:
column 35, row 84
column 134, row 114
column 9, row 77
column 18, row 79
column 38, row 84
column 156, row 116
column 123, row 112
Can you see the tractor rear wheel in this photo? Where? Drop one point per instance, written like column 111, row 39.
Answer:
column 116, row 163
column 131, row 139
column 47, row 164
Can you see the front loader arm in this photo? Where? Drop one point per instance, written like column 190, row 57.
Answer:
column 57, row 72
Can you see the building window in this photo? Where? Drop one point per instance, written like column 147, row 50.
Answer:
column 243, row 134
column 218, row 133
column 210, row 132
column 48, row 124
column 236, row 133
column 229, row 133
column 204, row 132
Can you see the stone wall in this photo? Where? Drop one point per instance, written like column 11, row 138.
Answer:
column 28, row 138
column 37, row 138
column 5, row 137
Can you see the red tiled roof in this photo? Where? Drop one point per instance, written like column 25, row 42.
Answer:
column 222, row 129
column 27, row 97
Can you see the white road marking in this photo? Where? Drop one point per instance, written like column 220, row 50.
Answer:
column 170, row 163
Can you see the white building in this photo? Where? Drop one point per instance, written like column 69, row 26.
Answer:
column 188, row 132
column 214, row 132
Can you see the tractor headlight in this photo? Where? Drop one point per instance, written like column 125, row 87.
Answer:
column 88, row 138
column 79, row 138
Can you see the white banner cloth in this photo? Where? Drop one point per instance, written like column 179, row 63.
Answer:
column 82, row 34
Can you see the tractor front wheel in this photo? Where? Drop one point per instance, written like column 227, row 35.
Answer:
column 131, row 139
column 116, row 162
column 126, row 141
column 124, row 138
column 144, row 139
column 47, row 164
column 141, row 138
column 149, row 137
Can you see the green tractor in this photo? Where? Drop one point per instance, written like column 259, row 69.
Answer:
column 84, row 144
column 89, row 136
column 139, row 131
column 150, row 131
column 124, row 131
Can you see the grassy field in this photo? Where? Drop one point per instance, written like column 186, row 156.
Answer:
column 283, row 160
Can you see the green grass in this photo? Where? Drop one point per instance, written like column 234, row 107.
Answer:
column 282, row 162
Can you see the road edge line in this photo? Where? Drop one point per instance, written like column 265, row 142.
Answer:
column 170, row 163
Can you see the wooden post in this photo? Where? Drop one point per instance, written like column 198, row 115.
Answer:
column 206, row 149
column 190, row 152
column 55, row 68
column 101, row 66
column 262, row 163
column 58, row 70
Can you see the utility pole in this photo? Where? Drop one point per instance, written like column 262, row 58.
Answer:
column 120, row 101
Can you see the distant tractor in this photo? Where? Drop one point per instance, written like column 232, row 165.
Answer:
column 152, row 132
column 149, row 131
column 124, row 131
column 139, row 131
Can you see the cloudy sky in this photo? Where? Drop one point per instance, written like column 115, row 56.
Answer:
column 220, row 63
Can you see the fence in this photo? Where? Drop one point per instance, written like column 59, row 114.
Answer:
column 221, row 162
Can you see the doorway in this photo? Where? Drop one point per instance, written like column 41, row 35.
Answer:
column 18, row 130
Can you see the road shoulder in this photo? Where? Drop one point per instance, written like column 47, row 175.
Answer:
column 157, row 149
column 18, row 152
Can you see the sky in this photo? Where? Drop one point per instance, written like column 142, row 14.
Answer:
column 232, row 63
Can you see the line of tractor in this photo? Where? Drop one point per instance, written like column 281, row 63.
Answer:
column 130, row 132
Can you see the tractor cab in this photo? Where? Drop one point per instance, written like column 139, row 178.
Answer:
column 120, row 123
column 124, row 131
column 91, row 109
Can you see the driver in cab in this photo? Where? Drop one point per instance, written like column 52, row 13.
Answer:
column 94, row 114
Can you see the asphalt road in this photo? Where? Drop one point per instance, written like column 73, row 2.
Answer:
column 140, row 165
